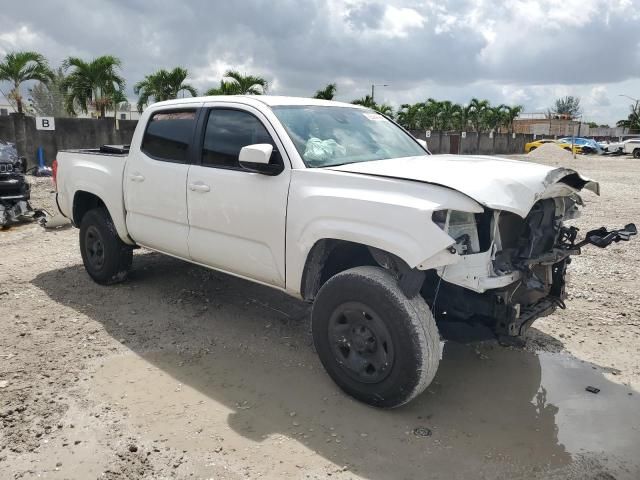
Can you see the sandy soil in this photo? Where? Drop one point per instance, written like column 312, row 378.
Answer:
column 183, row 372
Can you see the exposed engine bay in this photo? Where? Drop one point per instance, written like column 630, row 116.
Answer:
column 14, row 188
column 511, row 270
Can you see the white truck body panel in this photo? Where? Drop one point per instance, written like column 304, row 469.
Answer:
column 263, row 227
column 501, row 184
column 101, row 175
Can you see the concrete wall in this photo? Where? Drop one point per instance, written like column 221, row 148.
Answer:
column 69, row 133
column 474, row 143
column 73, row 133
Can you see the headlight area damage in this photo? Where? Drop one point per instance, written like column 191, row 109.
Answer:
column 14, row 195
column 506, row 271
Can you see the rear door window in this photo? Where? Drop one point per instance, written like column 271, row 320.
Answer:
column 169, row 135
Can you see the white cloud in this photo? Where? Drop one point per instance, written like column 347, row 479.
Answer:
column 398, row 22
column 513, row 51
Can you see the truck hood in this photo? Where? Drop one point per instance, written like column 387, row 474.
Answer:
column 500, row 184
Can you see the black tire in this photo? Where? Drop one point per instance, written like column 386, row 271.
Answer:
column 532, row 149
column 106, row 258
column 636, row 153
column 401, row 360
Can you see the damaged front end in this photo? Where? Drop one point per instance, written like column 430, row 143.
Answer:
column 510, row 270
column 14, row 195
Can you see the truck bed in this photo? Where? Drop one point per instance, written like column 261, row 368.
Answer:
column 96, row 170
column 114, row 150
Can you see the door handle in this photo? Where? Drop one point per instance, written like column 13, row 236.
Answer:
column 199, row 187
column 136, row 177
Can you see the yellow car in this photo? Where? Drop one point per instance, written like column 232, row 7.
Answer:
column 529, row 147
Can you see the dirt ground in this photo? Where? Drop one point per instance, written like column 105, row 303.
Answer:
column 182, row 372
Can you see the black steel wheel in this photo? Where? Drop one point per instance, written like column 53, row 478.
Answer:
column 93, row 244
column 361, row 342
column 107, row 259
column 377, row 345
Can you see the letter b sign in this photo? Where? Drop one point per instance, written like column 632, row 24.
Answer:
column 45, row 123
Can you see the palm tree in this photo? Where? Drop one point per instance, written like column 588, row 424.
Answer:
column 495, row 117
column 92, row 83
column 510, row 114
column 239, row 84
column 119, row 102
column 327, row 93
column 19, row 67
column 384, row 109
column 632, row 122
column 477, row 112
column 163, row 85
column 409, row 115
column 365, row 101
column 448, row 113
column 429, row 114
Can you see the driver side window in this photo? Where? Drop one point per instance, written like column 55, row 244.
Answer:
column 227, row 132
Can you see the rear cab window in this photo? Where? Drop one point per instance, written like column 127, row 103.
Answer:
column 169, row 134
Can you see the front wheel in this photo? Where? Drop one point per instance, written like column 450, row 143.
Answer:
column 636, row 153
column 106, row 258
column 378, row 345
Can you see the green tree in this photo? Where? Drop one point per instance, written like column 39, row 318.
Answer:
column 510, row 114
column 327, row 93
column 495, row 117
column 92, row 83
column 162, row 85
column 429, row 112
column 365, row 101
column 632, row 122
column 384, row 109
column 409, row 115
column 448, row 112
column 47, row 99
column 477, row 113
column 19, row 67
column 235, row 83
column 568, row 107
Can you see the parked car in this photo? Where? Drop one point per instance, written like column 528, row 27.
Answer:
column 632, row 147
column 629, row 146
column 337, row 205
column 531, row 146
column 587, row 145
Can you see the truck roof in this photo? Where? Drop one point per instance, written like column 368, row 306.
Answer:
column 270, row 100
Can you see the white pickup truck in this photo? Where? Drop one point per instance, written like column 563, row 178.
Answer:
column 337, row 205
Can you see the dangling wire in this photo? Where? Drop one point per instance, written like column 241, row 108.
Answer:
column 435, row 295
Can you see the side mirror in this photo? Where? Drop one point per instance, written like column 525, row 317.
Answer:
column 255, row 158
column 422, row 142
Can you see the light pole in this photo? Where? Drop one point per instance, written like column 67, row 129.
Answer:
column 635, row 108
column 373, row 89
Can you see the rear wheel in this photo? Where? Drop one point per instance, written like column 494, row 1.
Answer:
column 636, row 153
column 378, row 345
column 106, row 258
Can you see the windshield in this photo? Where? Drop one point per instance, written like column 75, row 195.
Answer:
column 330, row 136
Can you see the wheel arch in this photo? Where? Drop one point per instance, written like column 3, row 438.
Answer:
column 330, row 256
column 85, row 200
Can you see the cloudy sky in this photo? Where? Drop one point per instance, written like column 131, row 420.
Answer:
column 512, row 51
